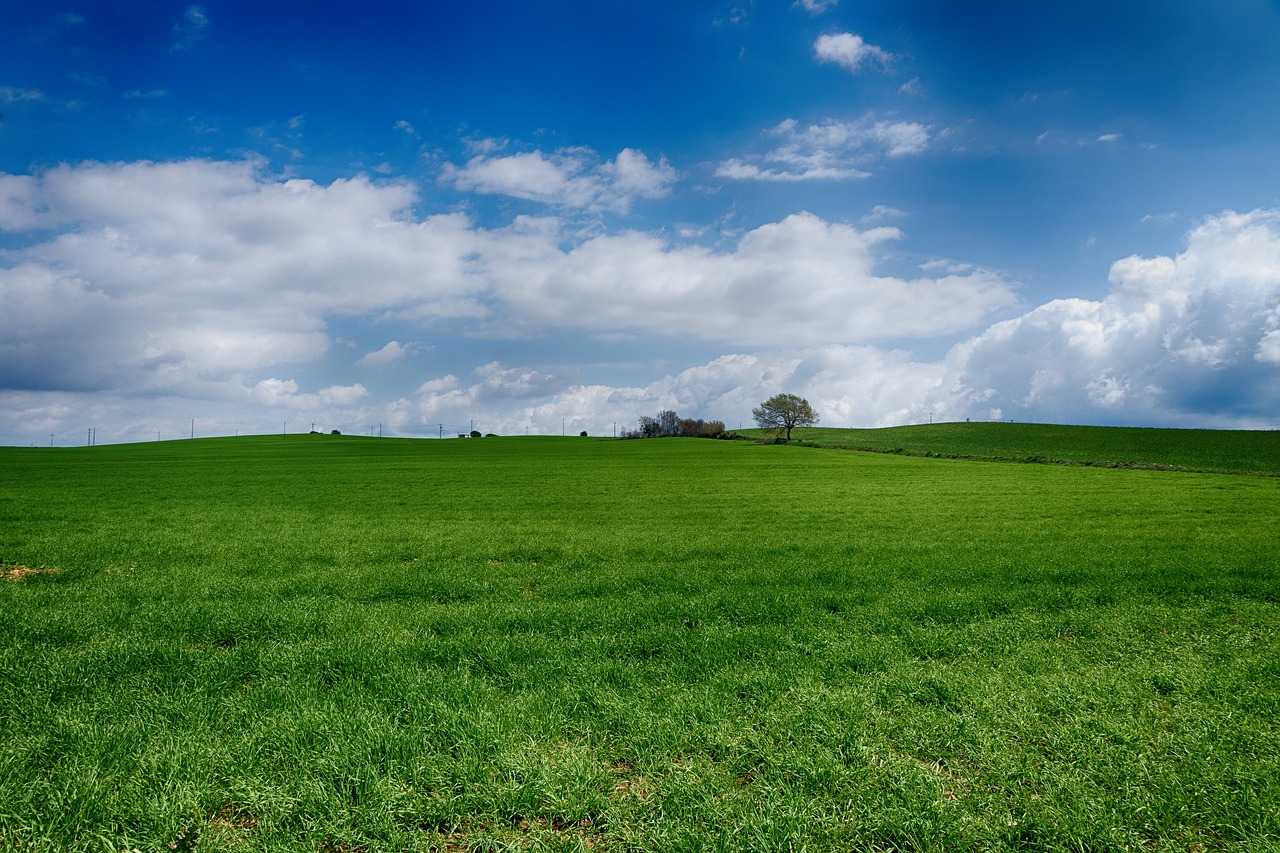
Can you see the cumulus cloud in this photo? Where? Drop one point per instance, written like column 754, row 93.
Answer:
column 848, row 385
column 801, row 279
column 569, row 177
column 1186, row 340
column 816, row 7
column 212, row 281
column 196, row 275
column 1176, row 338
column 284, row 393
column 165, row 274
column 830, row 150
column 393, row 351
column 848, row 51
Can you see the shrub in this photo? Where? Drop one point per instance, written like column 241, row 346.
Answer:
column 667, row 425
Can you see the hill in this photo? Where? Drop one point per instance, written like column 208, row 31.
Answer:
column 1222, row 451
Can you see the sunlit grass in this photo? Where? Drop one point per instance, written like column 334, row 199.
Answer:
column 1229, row 451
column 325, row 643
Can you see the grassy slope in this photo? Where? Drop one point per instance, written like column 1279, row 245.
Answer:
column 340, row 643
column 1231, row 451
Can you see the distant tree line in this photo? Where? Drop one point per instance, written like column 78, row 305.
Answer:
column 670, row 425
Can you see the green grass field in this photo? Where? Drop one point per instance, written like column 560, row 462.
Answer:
column 328, row 643
column 1223, row 451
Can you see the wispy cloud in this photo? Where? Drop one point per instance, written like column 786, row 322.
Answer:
column 881, row 212
column 831, row 150
column 193, row 27
column 11, row 95
column 816, row 7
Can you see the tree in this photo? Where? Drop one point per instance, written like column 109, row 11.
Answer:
column 668, row 424
column 784, row 412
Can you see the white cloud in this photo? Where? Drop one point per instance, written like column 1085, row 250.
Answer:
column 435, row 386
column 848, row 385
column 192, row 276
column 168, row 274
column 160, row 284
column 392, row 352
column 848, row 51
column 816, row 7
column 830, row 150
column 799, row 280
column 569, row 177
column 1177, row 338
column 1188, row 340
column 284, row 393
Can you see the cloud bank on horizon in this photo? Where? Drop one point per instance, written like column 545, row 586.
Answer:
column 860, row 213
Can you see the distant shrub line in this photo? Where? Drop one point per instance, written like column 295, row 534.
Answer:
column 668, row 424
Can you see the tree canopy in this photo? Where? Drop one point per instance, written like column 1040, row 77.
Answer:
column 784, row 412
column 669, row 424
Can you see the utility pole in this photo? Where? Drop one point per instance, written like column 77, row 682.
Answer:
column 51, row 439
column 193, row 427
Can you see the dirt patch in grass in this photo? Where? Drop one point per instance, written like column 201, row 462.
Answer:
column 17, row 572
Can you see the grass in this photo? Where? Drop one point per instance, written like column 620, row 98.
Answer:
column 336, row 643
column 1223, row 451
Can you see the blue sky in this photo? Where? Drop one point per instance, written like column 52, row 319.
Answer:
column 564, row 215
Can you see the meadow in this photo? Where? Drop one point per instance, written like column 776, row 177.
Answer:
column 327, row 643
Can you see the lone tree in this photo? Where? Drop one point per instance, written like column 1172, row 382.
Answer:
column 784, row 412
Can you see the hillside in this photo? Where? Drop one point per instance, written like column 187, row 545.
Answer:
column 1219, row 451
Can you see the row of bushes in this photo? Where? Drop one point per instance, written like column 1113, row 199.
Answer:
column 670, row 425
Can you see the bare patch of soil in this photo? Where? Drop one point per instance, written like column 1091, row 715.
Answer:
column 17, row 572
